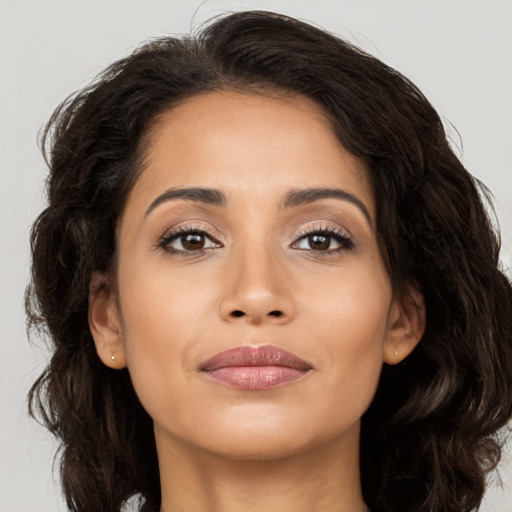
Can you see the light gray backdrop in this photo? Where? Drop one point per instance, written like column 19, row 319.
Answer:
column 458, row 52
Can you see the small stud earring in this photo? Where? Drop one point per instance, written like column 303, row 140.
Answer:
column 113, row 357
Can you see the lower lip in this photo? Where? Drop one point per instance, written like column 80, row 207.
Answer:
column 255, row 377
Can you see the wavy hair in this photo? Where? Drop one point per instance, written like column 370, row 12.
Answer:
column 431, row 434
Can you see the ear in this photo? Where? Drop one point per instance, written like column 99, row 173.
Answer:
column 104, row 322
column 406, row 325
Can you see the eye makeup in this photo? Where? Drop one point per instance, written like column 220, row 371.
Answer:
column 193, row 239
column 188, row 240
column 325, row 239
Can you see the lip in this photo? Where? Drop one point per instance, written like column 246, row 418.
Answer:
column 255, row 368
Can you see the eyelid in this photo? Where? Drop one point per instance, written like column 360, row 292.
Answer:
column 344, row 237
column 322, row 226
column 183, row 229
column 339, row 233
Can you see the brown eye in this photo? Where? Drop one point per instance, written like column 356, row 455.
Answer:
column 188, row 241
column 324, row 240
column 193, row 241
column 319, row 242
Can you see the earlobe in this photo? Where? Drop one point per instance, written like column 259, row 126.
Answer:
column 406, row 325
column 104, row 323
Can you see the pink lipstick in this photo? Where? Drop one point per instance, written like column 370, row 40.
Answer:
column 255, row 368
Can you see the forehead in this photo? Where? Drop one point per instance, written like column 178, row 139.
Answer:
column 247, row 143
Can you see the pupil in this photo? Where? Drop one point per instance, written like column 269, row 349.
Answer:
column 319, row 242
column 193, row 241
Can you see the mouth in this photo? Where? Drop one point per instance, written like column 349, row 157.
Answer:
column 255, row 368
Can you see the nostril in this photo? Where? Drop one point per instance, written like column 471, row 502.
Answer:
column 237, row 313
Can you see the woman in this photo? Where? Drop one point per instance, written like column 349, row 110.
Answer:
column 269, row 284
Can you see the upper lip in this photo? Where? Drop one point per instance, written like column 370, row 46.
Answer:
column 245, row 355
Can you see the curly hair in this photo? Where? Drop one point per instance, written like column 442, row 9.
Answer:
column 431, row 434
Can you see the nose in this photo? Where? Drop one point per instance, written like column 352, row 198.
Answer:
column 257, row 288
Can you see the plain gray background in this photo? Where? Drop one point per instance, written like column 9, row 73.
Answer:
column 458, row 52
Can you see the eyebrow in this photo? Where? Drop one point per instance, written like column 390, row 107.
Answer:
column 202, row 195
column 310, row 195
column 292, row 199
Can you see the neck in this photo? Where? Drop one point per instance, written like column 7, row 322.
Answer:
column 323, row 478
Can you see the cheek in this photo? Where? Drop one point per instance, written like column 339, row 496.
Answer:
column 350, row 315
column 163, row 320
column 350, row 306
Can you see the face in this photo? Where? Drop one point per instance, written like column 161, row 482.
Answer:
column 251, row 230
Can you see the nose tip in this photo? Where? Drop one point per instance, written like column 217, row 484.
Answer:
column 258, row 290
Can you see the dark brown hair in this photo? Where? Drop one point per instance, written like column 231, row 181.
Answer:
column 430, row 435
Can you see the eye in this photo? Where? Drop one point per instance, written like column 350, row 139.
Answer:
column 188, row 240
column 328, row 240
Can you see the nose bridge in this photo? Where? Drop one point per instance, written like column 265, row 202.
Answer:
column 257, row 267
column 257, row 281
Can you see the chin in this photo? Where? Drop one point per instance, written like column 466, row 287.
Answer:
column 260, row 447
column 277, row 438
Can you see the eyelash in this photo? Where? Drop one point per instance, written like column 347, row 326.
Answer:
column 175, row 234
column 341, row 237
column 345, row 241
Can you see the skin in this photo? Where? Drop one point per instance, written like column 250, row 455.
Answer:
column 294, row 447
